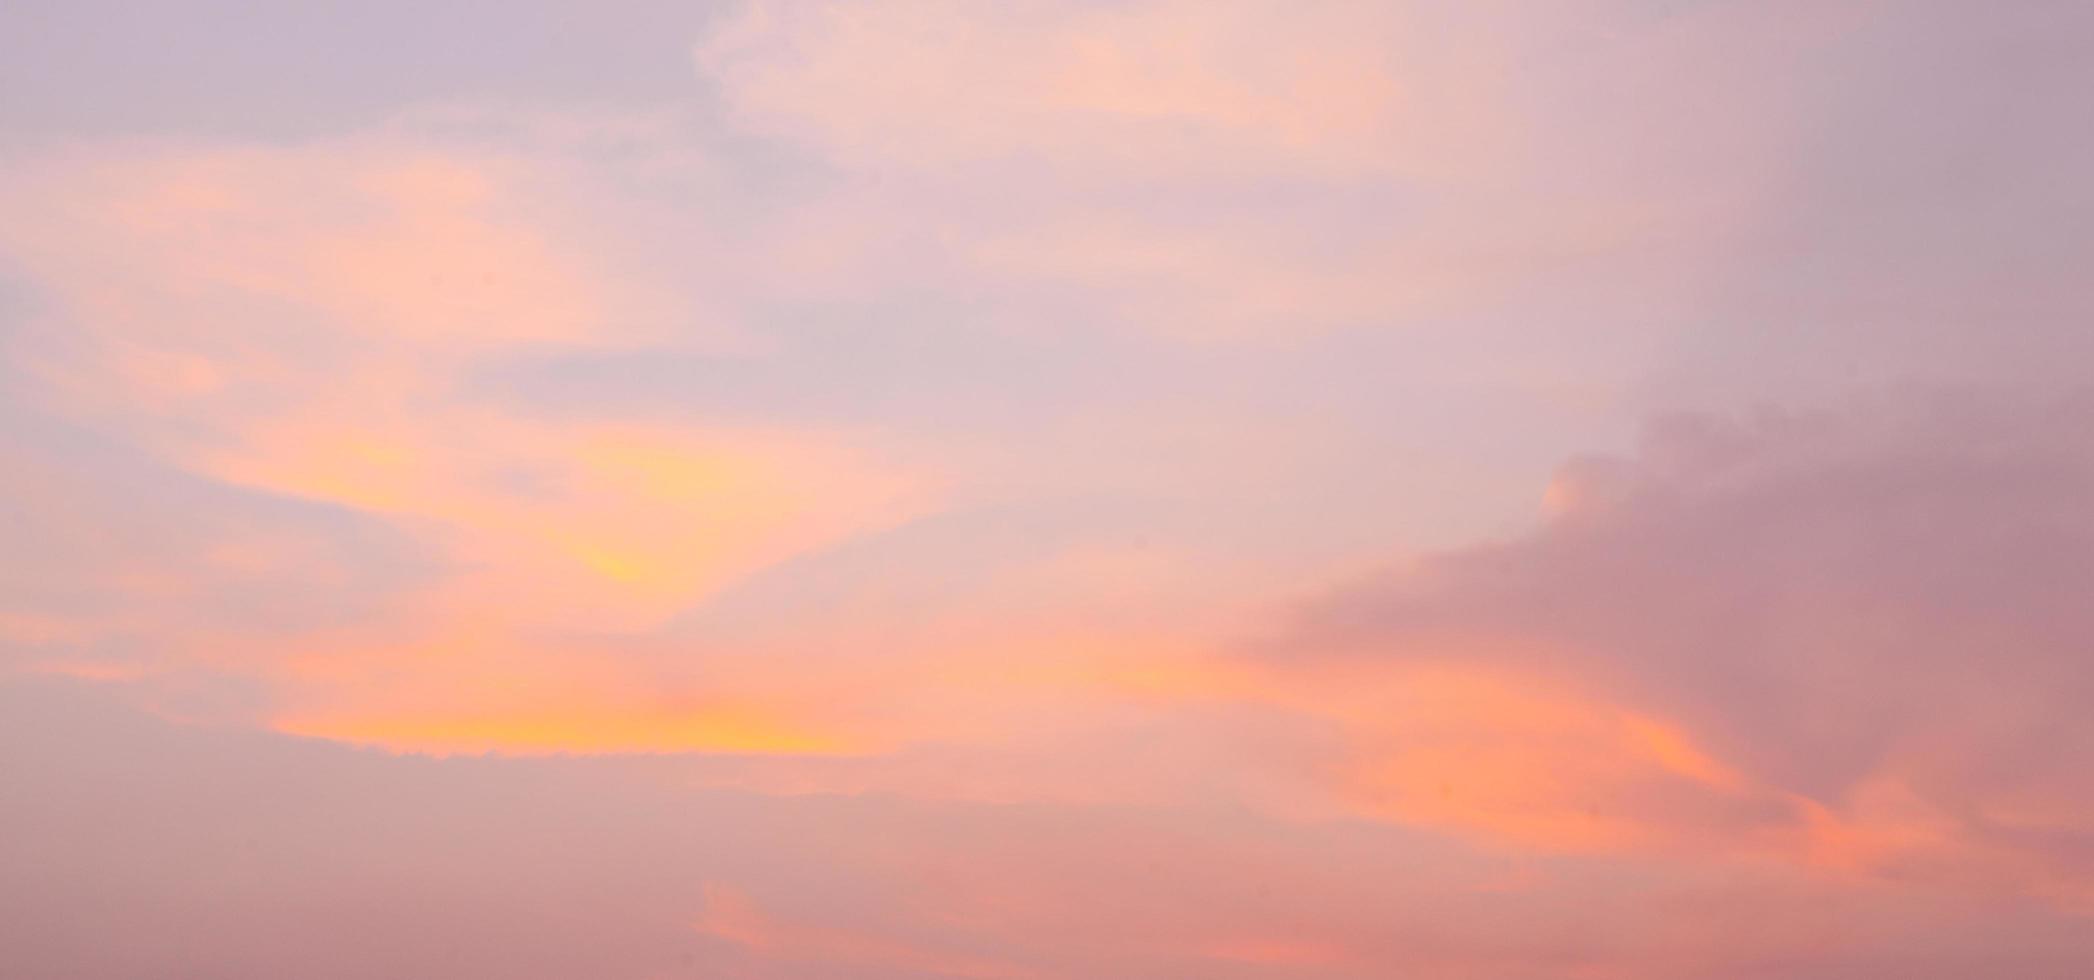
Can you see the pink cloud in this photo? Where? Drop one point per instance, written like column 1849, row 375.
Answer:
column 253, row 855
column 1872, row 615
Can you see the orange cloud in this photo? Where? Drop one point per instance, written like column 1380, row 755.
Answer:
column 609, row 524
column 1495, row 753
column 299, row 320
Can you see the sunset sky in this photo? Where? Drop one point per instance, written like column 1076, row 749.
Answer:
column 1092, row 489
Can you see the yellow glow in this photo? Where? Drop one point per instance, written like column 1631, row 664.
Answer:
column 618, row 525
column 712, row 729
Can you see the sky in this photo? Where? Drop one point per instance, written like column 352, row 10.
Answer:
column 808, row 489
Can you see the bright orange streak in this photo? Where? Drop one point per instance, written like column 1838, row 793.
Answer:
column 716, row 729
column 1670, row 748
column 1482, row 750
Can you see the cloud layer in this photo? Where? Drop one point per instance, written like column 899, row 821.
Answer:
column 927, row 488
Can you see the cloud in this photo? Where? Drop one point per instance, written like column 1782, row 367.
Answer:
column 1165, row 88
column 1266, row 171
column 252, row 855
column 289, row 328
column 831, row 496
column 1866, row 624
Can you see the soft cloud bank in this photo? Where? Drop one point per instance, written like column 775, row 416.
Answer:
column 1872, row 622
